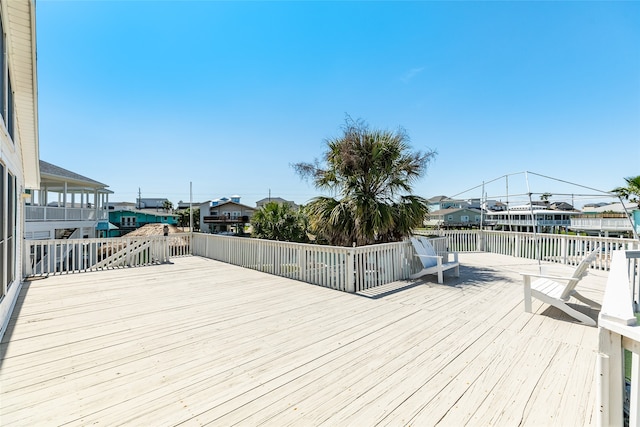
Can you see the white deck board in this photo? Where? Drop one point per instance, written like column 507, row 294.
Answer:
column 202, row 342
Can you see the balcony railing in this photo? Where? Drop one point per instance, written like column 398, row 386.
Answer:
column 528, row 222
column 49, row 213
column 558, row 248
column 608, row 224
column 208, row 219
column 344, row 268
column 60, row 256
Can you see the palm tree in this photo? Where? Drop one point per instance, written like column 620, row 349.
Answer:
column 184, row 218
column 631, row 192
column 371, row 172
column 279, row 221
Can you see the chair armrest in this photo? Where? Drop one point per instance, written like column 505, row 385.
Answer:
column 428, row 256
column 544, row 276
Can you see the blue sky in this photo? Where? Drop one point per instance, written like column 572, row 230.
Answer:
column 227, row 95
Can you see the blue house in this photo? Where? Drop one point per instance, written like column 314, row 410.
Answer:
column 128, row 220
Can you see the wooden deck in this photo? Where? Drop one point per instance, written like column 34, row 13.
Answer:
column 201, row 342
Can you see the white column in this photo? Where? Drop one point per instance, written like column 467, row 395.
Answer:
column 95, row 204
column 64, row 200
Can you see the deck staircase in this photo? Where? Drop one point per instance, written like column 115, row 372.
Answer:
column 122, row 254
column 66, row 233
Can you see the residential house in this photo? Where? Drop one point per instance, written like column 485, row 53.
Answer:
column 225, row 215
column 185, row 205
column 460, row 218
column 128, row 220
column 114, row 206
column 606, row 220
column 66, row 205
column 439, row 203
column 537, row 216
column 19, row 166
column 151, row 203
column 260, row 203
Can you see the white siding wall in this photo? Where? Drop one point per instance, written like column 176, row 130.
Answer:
column 17, row 20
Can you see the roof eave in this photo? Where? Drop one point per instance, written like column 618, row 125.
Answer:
column 22, row 53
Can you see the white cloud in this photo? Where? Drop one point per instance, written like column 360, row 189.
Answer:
column 409, row 75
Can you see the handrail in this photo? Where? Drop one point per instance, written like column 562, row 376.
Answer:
column 56, row 213
column 349, row 269
column 61, row 256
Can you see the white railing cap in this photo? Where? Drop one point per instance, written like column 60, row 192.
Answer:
column 617, row 304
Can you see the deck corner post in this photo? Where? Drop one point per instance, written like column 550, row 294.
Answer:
column 351, row 285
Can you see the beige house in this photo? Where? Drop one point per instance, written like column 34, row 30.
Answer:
column 454, row 218
column 260, row 203
column 224, row 215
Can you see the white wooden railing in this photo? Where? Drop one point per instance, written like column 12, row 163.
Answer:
column 343, row 268
column 610, row 224
column 59, row 256
column 618, row 368
column 49, row 213
column 559, row 248
column 347, row 269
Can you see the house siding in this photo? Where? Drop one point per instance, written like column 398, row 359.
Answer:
column 18, row 145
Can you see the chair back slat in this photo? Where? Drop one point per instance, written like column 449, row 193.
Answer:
column 581, row 271
column 421, row 249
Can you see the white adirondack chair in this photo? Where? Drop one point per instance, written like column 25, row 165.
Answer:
column 556, row 291
column 433, row 263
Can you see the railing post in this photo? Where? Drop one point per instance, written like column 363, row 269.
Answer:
column 634, row 398
column 167, row 254
column 611, row 377
column 351, row 285
column 302, row 271
column 602, row 390
column 27, row 269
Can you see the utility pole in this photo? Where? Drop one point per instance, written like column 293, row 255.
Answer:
column 139, row 197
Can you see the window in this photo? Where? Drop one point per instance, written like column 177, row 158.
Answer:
column 2, row 43
column 464, row 218
column 477, row 218
column 11, row 228
column 10, row 109
column 128, row 221
column 450, row 218
column 3, row 222
column 8, row 228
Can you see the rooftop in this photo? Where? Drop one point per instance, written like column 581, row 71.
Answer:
column 199, row 341
column 49, row 171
